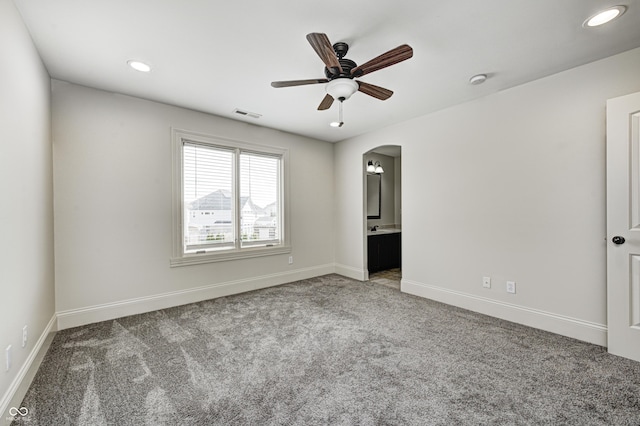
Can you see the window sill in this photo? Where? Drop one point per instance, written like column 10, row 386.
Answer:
column 196, row 259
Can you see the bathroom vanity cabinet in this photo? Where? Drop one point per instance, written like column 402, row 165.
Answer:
column 383, row 250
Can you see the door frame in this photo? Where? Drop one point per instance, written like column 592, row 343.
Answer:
column 623, row 220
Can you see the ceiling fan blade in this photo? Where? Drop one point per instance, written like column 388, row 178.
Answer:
column 326, row 103
column 375, row 91
column 399, row 54
column 321, row 44
column 291, row 83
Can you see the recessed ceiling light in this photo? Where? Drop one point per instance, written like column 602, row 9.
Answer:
column 478, row 79
column 139, row 66
column 604, row 16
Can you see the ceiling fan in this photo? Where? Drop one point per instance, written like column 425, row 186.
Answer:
column 341, row 72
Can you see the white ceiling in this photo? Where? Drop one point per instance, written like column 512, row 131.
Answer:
column 216, row 56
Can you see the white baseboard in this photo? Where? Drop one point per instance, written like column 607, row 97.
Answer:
column 108, row 311
column 559, row 324
column 20, row 385
column 350, row 272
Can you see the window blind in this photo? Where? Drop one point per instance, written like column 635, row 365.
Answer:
column 231, row 198
column 209, row 209
column 259, row 196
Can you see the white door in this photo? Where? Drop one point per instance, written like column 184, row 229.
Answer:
column 623, row 226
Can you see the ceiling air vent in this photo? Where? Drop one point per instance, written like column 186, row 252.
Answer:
column 247, row 113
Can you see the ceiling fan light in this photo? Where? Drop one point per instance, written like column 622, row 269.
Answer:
column 341, row 88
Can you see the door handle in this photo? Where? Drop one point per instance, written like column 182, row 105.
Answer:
column 618, row 240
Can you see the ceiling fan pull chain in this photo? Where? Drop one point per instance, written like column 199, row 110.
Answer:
column 341, row 121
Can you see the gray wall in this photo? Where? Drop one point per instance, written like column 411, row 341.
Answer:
column 510, row 186
column 397, row 190
column 112, row 161
column 26, row 216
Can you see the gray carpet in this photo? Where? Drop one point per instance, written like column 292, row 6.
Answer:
column 328, row 350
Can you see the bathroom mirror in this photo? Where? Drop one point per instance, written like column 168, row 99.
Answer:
column 373, row 196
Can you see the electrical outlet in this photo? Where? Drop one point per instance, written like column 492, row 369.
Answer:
column 511, row 287
column 8, row 358
column 486, row 282
column 24, row 336
column 290, row 260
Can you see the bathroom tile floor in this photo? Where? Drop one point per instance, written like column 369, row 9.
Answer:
column 390, row 278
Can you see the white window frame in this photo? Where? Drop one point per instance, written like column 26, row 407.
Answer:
column 179, row 257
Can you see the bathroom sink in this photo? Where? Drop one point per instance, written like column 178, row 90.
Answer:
column 384, row 231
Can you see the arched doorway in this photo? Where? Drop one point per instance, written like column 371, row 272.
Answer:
column 383, row 215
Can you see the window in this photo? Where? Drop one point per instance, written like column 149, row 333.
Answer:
column 230, row 199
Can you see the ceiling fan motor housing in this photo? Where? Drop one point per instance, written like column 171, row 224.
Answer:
column 341, row 48
column 346, row 64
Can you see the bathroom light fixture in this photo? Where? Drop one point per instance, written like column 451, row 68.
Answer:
column 604, row 16
column 374, row 168
column 139, row 66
